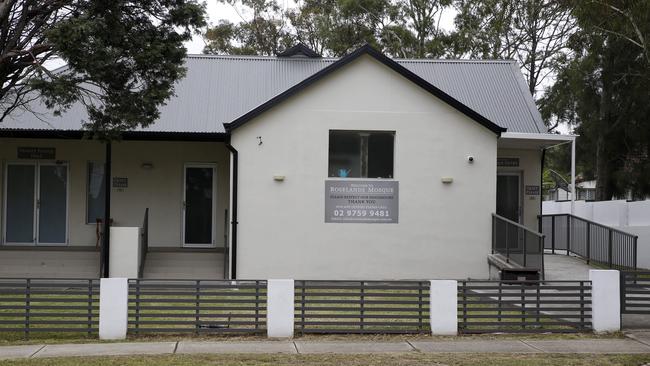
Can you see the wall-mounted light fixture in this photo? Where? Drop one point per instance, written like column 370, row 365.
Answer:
column 278, row 178
column 147, row 166
column 447, row 180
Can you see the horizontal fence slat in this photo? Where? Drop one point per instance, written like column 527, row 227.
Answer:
column 635, row 292
column 181, row 306
column 49, row 305
column 528, row 307
column 361, row 307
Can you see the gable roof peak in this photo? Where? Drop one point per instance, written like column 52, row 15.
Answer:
column 299, row 50
column 367, row 49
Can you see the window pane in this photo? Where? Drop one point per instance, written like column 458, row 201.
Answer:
column 380, row 155
column 20, row 203
column 361, row 154
column 345, row 154
column 198, row 205
column 95, row 192
column 53, row 195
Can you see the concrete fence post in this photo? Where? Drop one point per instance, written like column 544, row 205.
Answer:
column 280, row 308
column 443, row 307
column 113, row 308
column 605, row 300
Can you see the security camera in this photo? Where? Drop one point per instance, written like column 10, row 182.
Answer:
column 470, row 159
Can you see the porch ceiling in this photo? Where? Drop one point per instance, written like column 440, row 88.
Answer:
column 532, row 141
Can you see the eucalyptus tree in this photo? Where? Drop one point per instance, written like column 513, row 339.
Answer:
column 122, row 57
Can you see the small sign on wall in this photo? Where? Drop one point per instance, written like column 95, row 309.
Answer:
column 120, row 182
column 355, row 201
column 36, row 153
column 532, row 190
column 508, row 162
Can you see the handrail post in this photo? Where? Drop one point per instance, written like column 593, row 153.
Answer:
column 553, row 234
column 568, row 234
column 588, row 242
column 541, row 251
column 611, row 234
column 507, row 243
column 494, row 233
column 525, row 262
column 634, row 251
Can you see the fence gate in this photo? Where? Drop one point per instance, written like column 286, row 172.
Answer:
column 635, row 292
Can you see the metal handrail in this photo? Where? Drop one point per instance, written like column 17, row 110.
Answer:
column 517, row 225
column 591, row 223
column 144, row 242
column 521, row 238
column 610, row 246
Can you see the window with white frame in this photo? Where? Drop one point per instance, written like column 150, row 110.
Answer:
column 361, row 154
column 95, row 188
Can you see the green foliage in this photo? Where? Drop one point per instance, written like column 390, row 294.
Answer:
column 602, row 90
column 401, row 28
column 123, row 58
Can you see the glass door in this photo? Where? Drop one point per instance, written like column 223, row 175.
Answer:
column 20, row 204
column 199, row 205
column 508, row 206
column 52, row 204
column 36, row 205
column 508, row 192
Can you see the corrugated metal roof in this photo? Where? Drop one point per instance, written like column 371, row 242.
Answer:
column 219, row 89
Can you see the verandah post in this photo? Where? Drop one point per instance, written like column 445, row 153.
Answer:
column 105, row 249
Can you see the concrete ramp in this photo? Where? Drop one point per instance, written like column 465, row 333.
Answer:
column 566, row 267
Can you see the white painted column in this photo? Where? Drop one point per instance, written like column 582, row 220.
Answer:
column 443, row 307
column 279, row 308
column 113, row 308
column 605, row 300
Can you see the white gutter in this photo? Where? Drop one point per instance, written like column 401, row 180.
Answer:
column 538, row 136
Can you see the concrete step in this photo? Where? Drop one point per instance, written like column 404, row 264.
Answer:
column 180, row 265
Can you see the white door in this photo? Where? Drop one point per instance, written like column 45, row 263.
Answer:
column 36, row 204
column 199, row 205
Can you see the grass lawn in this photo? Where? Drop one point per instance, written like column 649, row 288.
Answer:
column 403, row 359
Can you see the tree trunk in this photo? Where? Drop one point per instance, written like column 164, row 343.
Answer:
column 603, row 186
column 602, row 173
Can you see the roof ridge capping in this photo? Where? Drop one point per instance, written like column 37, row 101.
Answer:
column 367, row 49
column 299, row 50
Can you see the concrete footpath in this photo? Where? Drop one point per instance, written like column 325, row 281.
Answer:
column 638, row 342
